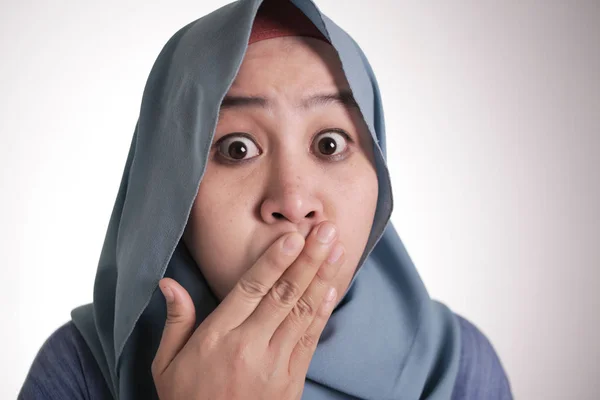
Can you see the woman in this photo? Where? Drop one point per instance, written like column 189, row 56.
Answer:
column 256, row 198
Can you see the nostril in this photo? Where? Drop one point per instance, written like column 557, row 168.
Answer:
column 277, row 215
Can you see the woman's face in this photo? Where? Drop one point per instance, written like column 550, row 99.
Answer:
column 290, row 151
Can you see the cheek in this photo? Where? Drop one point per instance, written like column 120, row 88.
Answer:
column 354, row 207
column 352, row 194
column 217, row 235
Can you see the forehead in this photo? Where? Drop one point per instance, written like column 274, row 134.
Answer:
column 291, row 65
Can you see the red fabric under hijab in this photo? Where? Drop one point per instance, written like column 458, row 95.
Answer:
column 277, row 18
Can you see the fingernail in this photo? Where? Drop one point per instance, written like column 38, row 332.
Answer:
column 330, row 295
column 292, row 243
column 168, row 293
column 335, row 254
column 326, row 232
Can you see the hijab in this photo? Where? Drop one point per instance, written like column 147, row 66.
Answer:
column 386, row 338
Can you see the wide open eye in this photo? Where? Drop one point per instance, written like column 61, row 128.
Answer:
column 237, row 147
column 330, row 143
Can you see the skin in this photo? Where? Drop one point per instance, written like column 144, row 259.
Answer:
column 272, row 234
column 284, row 182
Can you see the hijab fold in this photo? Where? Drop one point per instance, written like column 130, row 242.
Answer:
column 386, row 339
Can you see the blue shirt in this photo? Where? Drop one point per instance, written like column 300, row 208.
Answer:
column 65, row 369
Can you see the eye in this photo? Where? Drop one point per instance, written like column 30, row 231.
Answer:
column 237, row 147
column 331, row 143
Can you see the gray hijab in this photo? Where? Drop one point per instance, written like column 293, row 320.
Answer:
column 386, row 339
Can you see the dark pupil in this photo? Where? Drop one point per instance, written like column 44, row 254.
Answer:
column 327, row 146
column 237, row 150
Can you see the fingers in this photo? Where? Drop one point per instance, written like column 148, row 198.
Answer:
column 294, row 327
column 284, row 296
column 302, row 354
column 254, row 285
column 181, row 317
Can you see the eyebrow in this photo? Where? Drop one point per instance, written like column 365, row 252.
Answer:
column 343, row 97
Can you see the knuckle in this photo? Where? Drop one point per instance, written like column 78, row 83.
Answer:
column 208, row 341
column 176, row 316
column 321, row 277
column 304, row 309
column 241, row 353
column 285, row 292
column 308, row 341
column 252, row 289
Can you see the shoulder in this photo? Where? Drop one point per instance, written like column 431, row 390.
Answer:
column 64, row 368
column 481, row 374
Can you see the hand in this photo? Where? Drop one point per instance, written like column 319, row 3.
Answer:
column 259, row 341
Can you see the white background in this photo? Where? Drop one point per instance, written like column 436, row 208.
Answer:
column 493, row 116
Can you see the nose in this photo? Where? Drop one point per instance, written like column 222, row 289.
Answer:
column 290, row 199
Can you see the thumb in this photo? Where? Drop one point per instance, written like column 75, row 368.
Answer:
column 179, row 326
